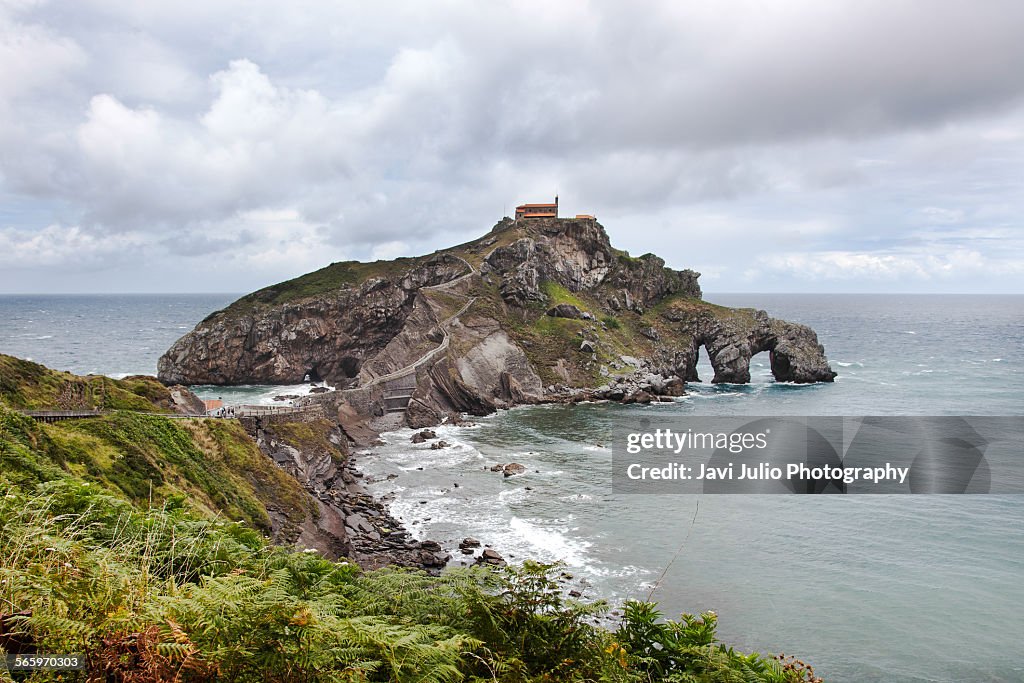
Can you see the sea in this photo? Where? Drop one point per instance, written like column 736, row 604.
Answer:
column 911, row 588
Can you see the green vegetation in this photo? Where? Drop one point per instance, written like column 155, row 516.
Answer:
column 328, row 279
column 140, row 541
column 624, row 255
column 612, row 322
column 151, row 459
column 559, row 294
column 160, row 595
column 30, row 386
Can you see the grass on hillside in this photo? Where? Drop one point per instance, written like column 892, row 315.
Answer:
column 330, row 278
column 30, row 386
column 213, row 464
column 160, row 595
column 559, row 294
column 139, row 541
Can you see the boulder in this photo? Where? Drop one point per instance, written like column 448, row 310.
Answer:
column 186, row 402
column 424, row 435
column 512, row 469
column 674, row 387
column 491, row 557
column 650, row 333
column 638, row 397
column 565, row 311
column 419, row 414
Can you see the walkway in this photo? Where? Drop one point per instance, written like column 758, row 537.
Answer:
column 397, row 396
column 233, row 412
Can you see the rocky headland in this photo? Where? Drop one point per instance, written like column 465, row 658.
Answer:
column 537, row 310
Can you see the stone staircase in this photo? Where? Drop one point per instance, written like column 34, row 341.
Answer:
column 398, row 392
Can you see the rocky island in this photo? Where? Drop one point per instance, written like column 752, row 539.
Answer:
column 262, row 522
column 537, row 310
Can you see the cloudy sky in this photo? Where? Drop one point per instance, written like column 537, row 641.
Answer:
column 222, row 145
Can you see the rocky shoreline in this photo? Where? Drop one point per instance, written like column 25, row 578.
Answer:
column 349, row 522
column 370, row 549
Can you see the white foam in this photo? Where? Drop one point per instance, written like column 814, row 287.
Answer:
column 510, row 496
column 577, row 497
column 550, row 543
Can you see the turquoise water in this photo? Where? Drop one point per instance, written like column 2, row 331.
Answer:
column 867, row 588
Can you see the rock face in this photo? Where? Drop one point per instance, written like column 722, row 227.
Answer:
column 347, row 521
column 734, row 336
column 186, row 402
column 512, row 469
column 578, row 255
column 536, row 311
column 278, row 336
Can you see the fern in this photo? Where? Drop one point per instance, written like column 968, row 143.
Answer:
column 162, row 594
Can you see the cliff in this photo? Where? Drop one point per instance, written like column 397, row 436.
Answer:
column 292, row 482
column 536, row 310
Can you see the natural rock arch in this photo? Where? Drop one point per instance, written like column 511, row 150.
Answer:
column 793, row 350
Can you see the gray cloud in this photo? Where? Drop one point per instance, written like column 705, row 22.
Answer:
column 250, row 141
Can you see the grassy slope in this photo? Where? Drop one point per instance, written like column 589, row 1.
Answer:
column 30, row 386
column 330, row 278
column 549, row 340
column 346, row 274
column 148, row 459
column 133, row 538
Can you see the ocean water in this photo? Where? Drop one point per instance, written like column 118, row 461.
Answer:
column 116, row 335
column 866, row 588
column 104, row 334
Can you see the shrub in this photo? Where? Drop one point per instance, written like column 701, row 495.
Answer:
column 611, row 322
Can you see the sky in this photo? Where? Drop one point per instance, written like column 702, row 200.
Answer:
column 224, row 145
